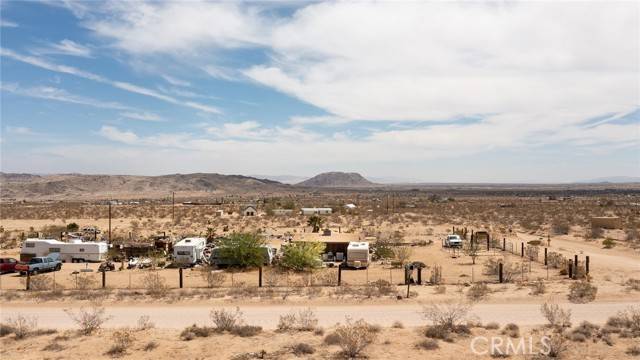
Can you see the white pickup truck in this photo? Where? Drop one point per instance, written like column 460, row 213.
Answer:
column 453, row 240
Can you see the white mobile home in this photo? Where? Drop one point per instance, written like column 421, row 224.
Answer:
column 74, row 251
column 358, row 254
column 316, row 211
column 189, row 251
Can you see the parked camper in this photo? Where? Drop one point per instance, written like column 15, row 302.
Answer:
column 189, row 251
column 358, row 254
column 315, row 211
column 74, row 251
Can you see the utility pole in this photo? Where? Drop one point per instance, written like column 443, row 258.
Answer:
column 109, row 239
column 173, row 205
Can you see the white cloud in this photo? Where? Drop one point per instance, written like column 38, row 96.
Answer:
column 323, row 120
column 66, row 47
column 42, row 63
column 174, row 81
column 57, row 94
column 114, row 134
column 7, row 23
column 222, row 73
column 149, row 27
column 142, row 116
column 19, row 130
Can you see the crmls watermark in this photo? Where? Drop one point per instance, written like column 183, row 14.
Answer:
column 496, row 345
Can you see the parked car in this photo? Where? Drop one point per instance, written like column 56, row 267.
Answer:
column 453, row 240
column 7, row 265
column 40, row 264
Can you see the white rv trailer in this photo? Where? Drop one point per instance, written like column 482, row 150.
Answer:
column 188, row 251
column 316, row 211
column 358, row 254
column 74, row 251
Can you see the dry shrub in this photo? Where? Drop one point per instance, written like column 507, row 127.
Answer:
column 194, row 331
column 557, row 317
column 511, row 330
column 89, row 321
column 85, row 282
column 145, row 323
column 633, row 284
column 428, row 344
column 326, row 278
column 626, row 322
column 582, row 292
column 583, row 331
column 303, row 320
column 6, row 329
column 397, row 325
column 436, row 275
column 492, row 326
column 122, row 339
column 53, row 346
column 226, row 320
column 39, row 282
column 379, row 288
column 557, row 345
column 633, row 350
column 538, row 287
column 150, row 346
column 213, row 278
column 302, row 349
column 354, row 337
column 447, row 315
column 478, row 291
column 246, row 330
column 22, row 325
column 155, row 285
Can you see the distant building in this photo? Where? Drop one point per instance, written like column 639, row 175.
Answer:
column 249, row 210
column 350, row 206
column 282, row 212
column 315, row 211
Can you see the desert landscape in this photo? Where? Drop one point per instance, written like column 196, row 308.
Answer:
column 403, row 225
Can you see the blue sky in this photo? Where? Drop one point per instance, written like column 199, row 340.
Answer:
column 443, row 92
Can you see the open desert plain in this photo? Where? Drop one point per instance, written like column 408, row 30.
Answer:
column 353, row 179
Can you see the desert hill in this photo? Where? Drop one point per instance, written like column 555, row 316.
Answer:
column 77, row 186
column 337, row 180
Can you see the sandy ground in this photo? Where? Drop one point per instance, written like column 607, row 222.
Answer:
column 177, row 317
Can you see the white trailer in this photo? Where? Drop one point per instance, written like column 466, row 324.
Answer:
column 316, row 211
column 189, row 251
column 358, row 254
column 75, row 251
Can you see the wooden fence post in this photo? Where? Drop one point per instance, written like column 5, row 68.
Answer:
column 586, row 265
column 180, row 277
column 339, row 274
column 545, row 256
column 104, row 279
column 500, row 278
column 28, row 280
column 570, row 269
column 504, row 244
column 260, row 276
column 521, row 249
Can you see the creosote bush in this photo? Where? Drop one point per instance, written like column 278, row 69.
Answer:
column 226, row 320
column 22, row 326
column 89, row 321
column 557, row 317
column 303, row 320
column 354, row 337
column 582, row 292
column 122, row 339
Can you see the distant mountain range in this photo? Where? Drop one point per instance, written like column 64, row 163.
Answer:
column 337, row 180
column 77, row 186
column 613, row 180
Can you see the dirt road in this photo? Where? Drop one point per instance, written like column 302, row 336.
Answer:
column 176, row 317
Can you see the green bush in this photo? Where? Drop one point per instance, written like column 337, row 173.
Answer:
column 301, row 256
column 243, row 249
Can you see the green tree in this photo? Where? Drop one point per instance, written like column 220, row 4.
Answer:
column 302, row 255
column 315, row 222
column 72, row 227
column 243, row 249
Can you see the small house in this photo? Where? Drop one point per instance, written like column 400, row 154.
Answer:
column 249, row 210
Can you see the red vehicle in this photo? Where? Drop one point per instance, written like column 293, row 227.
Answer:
column 7, row 265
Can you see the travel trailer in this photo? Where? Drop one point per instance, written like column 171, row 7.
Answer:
column 189, row 251
column 358, row 254
column 74, row 251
